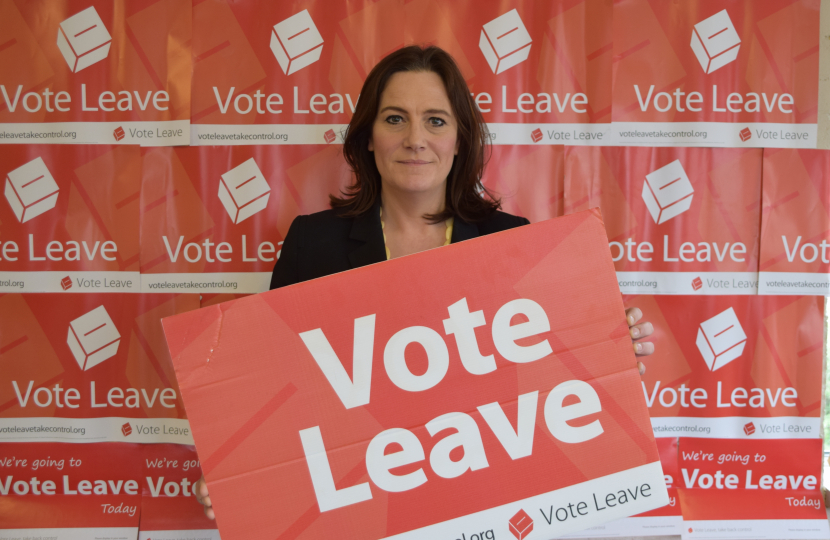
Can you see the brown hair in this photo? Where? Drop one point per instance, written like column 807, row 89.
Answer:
column 465, row 195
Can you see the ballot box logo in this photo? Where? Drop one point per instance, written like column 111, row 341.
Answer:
column 749, row 429
column 745, row 134
column 66, row 283
column 244, row 191
column 93, row 338
column 721, row 339
column 505, row 42
column 329, row 136
column 296, row 42
column 715, row 42
column 667, row 192
column 521, row 525
column 31, row 190
column 83, row 39
column 697, row 283
column 536, row 135
column 119, row 133
column 127, row 429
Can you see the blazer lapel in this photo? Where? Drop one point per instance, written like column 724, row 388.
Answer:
column 366, row 228
column 461, row 230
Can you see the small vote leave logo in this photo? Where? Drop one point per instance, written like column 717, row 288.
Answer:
column 667, row 192
column 746, row 134
column 66, row 283
column 329, row 136
column 715, row 42
column 521, row 525
column 126, row 429
column 296, row 42
column 118, row 133
column 749, row 429
column 83, row 39
column 31, row 190
column 697, row 283
column 536, row 135
column 721, row 339
column 505, row 42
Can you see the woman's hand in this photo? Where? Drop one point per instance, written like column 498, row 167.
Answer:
column 201, row 491
column 638, row 332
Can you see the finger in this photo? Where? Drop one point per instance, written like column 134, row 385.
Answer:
column 201, row 488
column 632, row 315
column 641, row 367
column 643, row 349
column 639, row 331
column 210, row 513
column 206, row 501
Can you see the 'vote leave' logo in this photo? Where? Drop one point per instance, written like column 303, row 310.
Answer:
column 667, row 192
column 244, row 191
column 715, row 42
column 296, row 42
column 721, row 339
column 93, row 338
column 505, row 42
column 31, row 190
column 521, row 525
column 83, row 39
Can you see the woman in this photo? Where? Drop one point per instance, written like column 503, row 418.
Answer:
column 416, row 144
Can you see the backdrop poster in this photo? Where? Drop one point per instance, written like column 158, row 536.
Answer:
column 69, row 491
column 528, row 181
column 95, row 71
column 679, row 220
column 795, row 227
column 89, row 368
column 169, row 509
column 292, row 72
column 271, row 403
column 757, row 489
column 214, row 218
column 716, row 73
column 664, row 521
column 734, row 367
column 69, row 221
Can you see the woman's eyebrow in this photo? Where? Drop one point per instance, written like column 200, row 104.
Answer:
column 428, row 111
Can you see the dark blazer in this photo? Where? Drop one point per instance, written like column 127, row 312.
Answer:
column 325, row 243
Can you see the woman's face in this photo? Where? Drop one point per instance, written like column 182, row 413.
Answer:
column 415, row 134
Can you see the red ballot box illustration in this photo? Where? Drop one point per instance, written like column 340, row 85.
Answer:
column 296, row 42
column 355, row 389
column 83, row 39
column 715, row 42
column 505, row 42
column 31, row 190
column 521, row 525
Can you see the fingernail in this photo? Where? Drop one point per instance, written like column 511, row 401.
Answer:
column 639, row 347
column 635, row 332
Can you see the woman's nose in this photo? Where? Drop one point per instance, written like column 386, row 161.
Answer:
column 415, row 136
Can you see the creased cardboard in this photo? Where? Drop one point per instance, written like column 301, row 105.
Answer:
column 432, row 396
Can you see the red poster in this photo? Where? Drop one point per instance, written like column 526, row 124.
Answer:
column 679, row 220
column 89, row 368
column 95, row 71
column 795, row 228
column 272, row 404
column 734, row 367
column 291, row 72
column 213, row 218
column 169, row 509
column 761, row 489
column 716, row 73
column 69, row 221
column 70, row 491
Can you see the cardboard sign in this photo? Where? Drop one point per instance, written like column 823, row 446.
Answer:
column 795, row 227
column 761, row 489
column 386, row 397
column 291, row 73
column 94, row 71
column 742, row 367
column 715, row 73
column 70, row 219
column 679, row 220
column 213, row 218
column 69, row 491
column 89, row 368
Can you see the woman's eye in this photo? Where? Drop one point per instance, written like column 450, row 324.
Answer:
column 394, row 119
column 437, row 122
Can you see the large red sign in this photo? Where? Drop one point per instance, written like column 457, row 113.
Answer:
column 289, row 404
